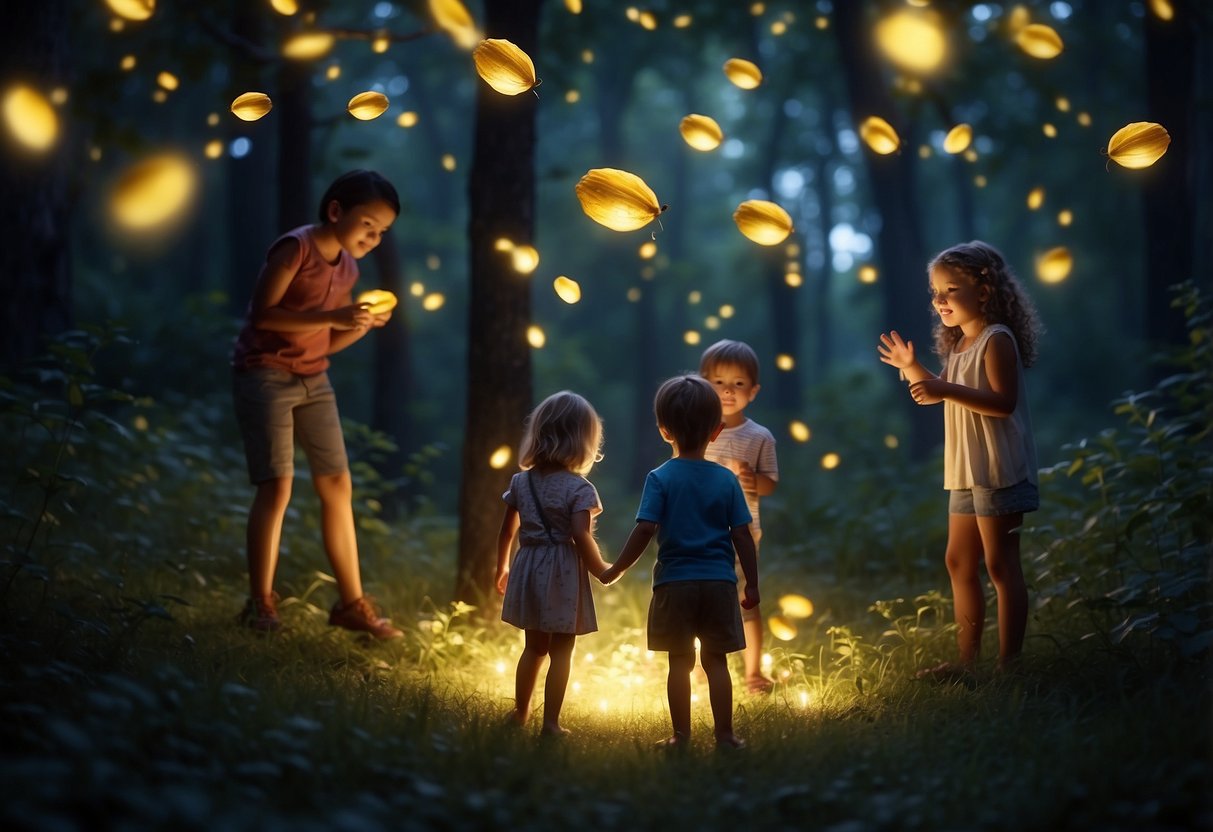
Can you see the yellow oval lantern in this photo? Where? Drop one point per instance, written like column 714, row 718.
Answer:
column 958, row 138
column 286, row 8
column 454, row 19
column 378, row 300
column 567, row 289
column 152, row 193
column 763, row 222
column 795, row 606
column 307, row 46
column 504, row 66
column 1138, row 145
column 617, row 199
column 137, row 10
column 799, row 430
column 251, row 106
column 879, row 135
column 1054, row 265
column 781, row 627
column 701, row 132
column 367, row 105
column 30, row 118
column 744, row 74
column 912, row 39
column 1039, row 41
column 1036, row 198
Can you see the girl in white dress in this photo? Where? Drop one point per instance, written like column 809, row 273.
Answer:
column 986, row 335
column 550, row 509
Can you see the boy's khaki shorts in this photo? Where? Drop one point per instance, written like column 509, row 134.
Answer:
column 277, row 409
column 681, row 611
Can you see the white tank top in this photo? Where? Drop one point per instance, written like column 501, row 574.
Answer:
column 985, row 451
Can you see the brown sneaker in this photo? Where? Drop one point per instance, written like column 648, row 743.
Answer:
column 261, row 613
column 362, row 615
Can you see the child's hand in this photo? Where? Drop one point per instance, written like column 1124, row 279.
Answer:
column 751, row 597
column 609, row 575
column 927, row 391
column 380, row 319
column 746, row 478
column 894, row 351
column 355, row 316
column 503, row 579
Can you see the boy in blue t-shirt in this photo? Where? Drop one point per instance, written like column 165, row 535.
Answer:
column 699, row 515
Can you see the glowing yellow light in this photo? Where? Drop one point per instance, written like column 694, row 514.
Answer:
column 567, row 289
column 432, row 262
column 647, row 250
column 1039, row 41
column 793, row 279
column 501, row 457
column 212, row 120
column 1049, row 130
column 407, row 119
column 879, row 135
column 763, row 222
column 499, row 666
column 682, row 21
column 647, row 20
column 632, row 13
column 333, row 72
column 1054, row 265
column 251, row 106
column 448, row 162
column 744, row 74
column 1063, row 104
column 416, row 289
column 141, row 423
column 822, row 22
column 980, row 181
column 366, row 106
column 701, row 132
column 803, row 698
column 691, row 337
column 781, row 628
column 617, row 199
column 634, row 294
column 831, row 461
column 30, row 118
column 694, row 296
column 891, row 441
column 128, row 63
column 307, row 46
column 1036, row 198
column 1138, row 145
column 572, row 97
column 711, row 322
column 727, row 311
column 757, row 9
column 380, row 43
column 213, row 149
column 958, row 138
column 378, row 301
column 1162, row 9
column 503, row 244
column 768, row 661
column 433, row 301
column 799, row 430
column 784, row 361
column 587, row 56
column 867, row 274
column 912, row 40
column 574, row 6
column 795, row 606
column 152, row 193
column 1084, row 119
column 535, row 336
column 778, row 28
column 285, row 7
column 525, row 259
column 136, row 10
column 454, row 19
column 504, row 67
column 970, row 155
column 160, row 96
column 1065, row 217
column 168, row 81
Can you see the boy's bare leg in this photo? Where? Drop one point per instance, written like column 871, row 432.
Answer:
column 264, row 533
column 678, row 692
column 720, row 694
column 336, row 493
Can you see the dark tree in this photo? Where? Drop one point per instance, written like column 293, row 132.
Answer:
column 34, row 210
column 501, row 193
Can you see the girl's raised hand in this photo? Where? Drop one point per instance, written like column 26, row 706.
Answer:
column 894, row 351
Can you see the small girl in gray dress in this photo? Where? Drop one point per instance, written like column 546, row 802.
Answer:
column 550, row 508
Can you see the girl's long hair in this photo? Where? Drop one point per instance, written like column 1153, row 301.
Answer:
column 1007, row 303
column 564, row 431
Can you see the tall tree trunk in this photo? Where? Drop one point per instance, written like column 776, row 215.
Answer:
column 33, row 212
column 1168, row 187
column 501, row 189
column 899, row 242
column 295, row 206
column 393, row 371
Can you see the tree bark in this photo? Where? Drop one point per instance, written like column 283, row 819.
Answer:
column 393, row 372
column 34, row 210
column 501, row 191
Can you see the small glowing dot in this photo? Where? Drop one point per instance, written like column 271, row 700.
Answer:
column 127, row 63
column 1063, row 104
column 979, row 181
column 1049, row 130
column 525, row 259
column 767, row 661
column 648, row 273
column 501, row 457
column 1084, row 119
column 711, row 322
column 214, row 149
column 891, row 442
column 804, row 699
column 648, row 250
column 970, row 155
column 778, row 28
column 433, row 262
column 694, row 698
column 160, row 96
column 567, row 289
column 212, row 120
column 648, row 21
column 799, row 430
column 682, row 21
column 694, row 297
column 793, row 279
column 535, row 336
column 500, row 667
column 632, row 13
column 634, row 294
column 830, row 461
column 727, row 311
column 433, row 301
column 587, row 56
column 141, row 422
column 448, row 161
column 332, row 72
column 380, row 44
column 602, row 705
column 757, row 9
column 691, row 336
column 576, row 686
column 822, row 22
column 407, row 119
column 168, row 80
column 924, row 151
column 784, row 361
column 1065, row 217
column 867, row 274
column 416, row 289
column 572, row 96
column 1036, row 198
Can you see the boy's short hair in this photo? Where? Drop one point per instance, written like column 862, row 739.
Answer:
column 688, row 408
column 358, row 187
column 726, row 352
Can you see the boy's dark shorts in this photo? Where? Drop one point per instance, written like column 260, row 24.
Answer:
column 681, row 611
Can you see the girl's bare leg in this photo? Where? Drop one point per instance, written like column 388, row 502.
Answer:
column 537, row 645
column 557, row 681
column 963, row 558
column 336, row 493
column 1000, row 539
column 720, row 694
column 264, row 533
column 678, row 692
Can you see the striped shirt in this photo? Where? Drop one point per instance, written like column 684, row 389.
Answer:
column 748, row 442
